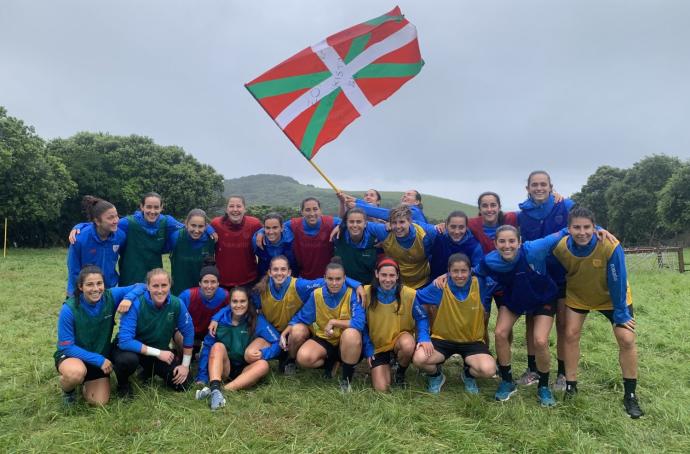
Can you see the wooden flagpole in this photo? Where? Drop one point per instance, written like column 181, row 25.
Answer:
column 335, row 188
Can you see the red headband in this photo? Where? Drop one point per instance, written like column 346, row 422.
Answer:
column 387, row 261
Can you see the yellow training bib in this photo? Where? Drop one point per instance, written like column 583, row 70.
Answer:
column 385, row 325
column 587, row 286
column 325, row 313
column 413, row 262
column 279, row 312
column 460, row 321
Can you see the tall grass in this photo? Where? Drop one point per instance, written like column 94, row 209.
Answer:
column 307, row 414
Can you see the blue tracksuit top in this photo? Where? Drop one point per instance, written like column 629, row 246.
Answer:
column 433, row 295
column 383, row 213
column 537, row 221
column 151, row 228
column 307, row 314
column 380, row 232
column 65, row 327
column 263, row 330
column 616, row 277
column 89, row 249
column 443, row 247
column 128, row 326
column 418, row 313
column 270, row 250
column 530, row 285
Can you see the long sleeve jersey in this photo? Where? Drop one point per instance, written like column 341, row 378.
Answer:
column 433, row 295
column 128, row 325
column 263, row 330
column 90, row 249
column 383, row 213
column 307, row 314
column 418, row 313
column 66, row 329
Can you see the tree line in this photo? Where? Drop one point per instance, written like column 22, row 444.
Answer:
column 647, row 204
column 42, row 182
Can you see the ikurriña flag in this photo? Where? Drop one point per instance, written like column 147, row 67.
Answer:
column 313, row 95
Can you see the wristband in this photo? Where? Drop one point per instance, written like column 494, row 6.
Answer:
column 186, row 360
column 150, row 351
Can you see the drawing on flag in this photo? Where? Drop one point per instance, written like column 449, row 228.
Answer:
column 313, row 95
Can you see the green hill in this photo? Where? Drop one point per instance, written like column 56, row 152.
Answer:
column 279, row 190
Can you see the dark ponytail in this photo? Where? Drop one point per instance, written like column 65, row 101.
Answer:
column 94, row 207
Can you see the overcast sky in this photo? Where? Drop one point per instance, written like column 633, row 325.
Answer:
column 508, row 86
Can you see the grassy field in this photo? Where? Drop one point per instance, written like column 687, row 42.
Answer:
column 307, row 414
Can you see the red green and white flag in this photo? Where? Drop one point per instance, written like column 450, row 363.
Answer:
column 313, row 95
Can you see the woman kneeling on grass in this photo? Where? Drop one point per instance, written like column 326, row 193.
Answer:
column 146, row 332
column 458, row 327
column 238, row 349
column 85, row 329
column 392, row 315
column 336, row 321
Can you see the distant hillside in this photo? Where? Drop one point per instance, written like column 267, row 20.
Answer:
column 279, row 190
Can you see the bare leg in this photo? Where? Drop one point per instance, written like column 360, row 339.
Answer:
column 72, row 372
column 97, row 392
column 560, row 329
column 404, row 348
column 627, row 353
column 311, row 355
column 529, row 334
column 481, row 365
column 428, row 364
column 251, row 374
column 218, row 362
column 350, row 346
column 381, row 377
column 504, row 328
column 573, row 330
column 542, row 329
column 298, row 336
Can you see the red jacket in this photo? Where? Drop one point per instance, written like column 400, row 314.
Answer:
column 313, row 253
column 235, row 257
column 476, row 226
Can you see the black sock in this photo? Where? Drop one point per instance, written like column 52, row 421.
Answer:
column 437, row 373
column 467, row 371
column 215, row 384
column 69, row 393
column 348, row 371
column 561, row 367
column 290, row 360
column 401, row 370
column 506, row 373
column 571, row 386
column 630, row 384
column 543, row 378
column 532, row 363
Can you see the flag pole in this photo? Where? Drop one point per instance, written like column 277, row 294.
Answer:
column 335, row 188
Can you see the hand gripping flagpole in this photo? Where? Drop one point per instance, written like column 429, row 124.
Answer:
column 335, row 188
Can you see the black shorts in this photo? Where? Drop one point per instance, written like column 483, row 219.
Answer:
column 449, row 348
column 547, row 309
column 92, row 372
column 236, row 368
column 608, row 313
column 332, row 351
column 382, row 358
